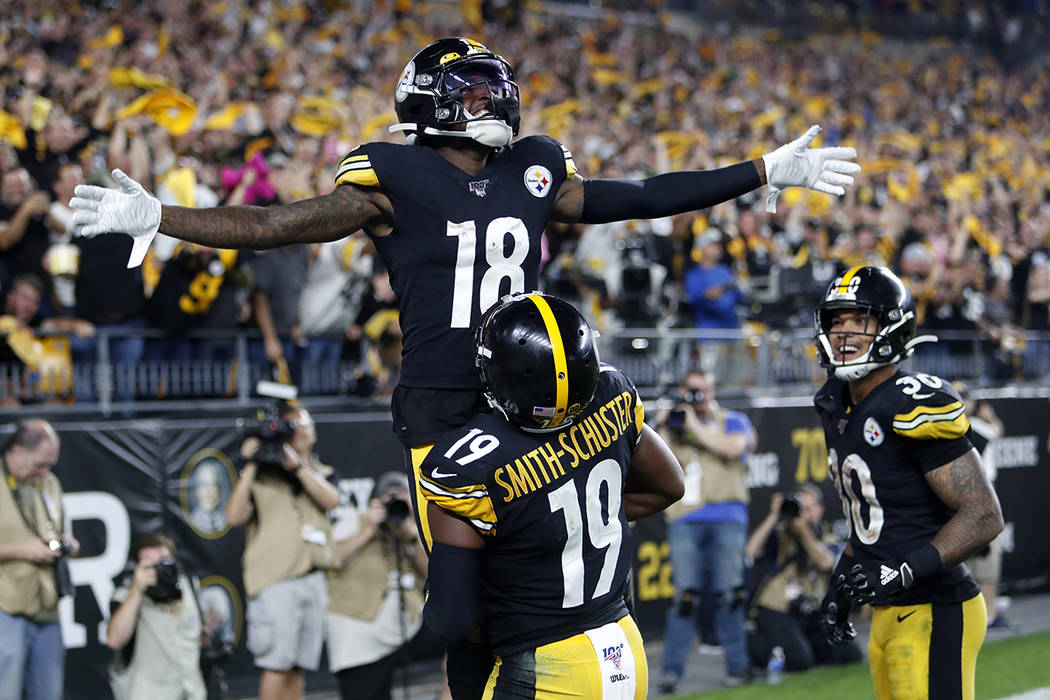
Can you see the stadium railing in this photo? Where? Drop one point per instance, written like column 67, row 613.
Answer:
column 774, row 361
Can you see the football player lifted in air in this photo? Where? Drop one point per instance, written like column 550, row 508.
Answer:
column 912, row 488
column 456, row 216
column 529, row 508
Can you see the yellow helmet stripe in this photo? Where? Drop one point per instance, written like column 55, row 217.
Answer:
column 843, row 287
column 561, row 368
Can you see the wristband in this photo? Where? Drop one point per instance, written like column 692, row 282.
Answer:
column 924, row 561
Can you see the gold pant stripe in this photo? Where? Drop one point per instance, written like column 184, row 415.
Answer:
column 914, row 647
column 419, row 503
column 606, row 662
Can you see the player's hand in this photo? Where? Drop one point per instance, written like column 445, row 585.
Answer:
column 131, row 210
column 797, row 165
column 877, row 579
column 834, row 613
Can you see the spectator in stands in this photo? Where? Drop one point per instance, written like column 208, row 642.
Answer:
column 29, row 343
column 34, row 570
column 710, row 285
column 793, row 556
column 23, row 235
column 708, row 527
column 287, row 592
column 376, row 596
column 338, row 278
column 279, row 276
column 155, row 627
column 111, row 297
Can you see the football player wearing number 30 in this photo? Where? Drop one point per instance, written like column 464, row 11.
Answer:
column 912, row 489
column 529, row 508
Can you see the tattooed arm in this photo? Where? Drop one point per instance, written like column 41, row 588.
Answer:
column 325, row 218
column 962, row 486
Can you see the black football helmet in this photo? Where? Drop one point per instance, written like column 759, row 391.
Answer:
column 884, row 298
column 537, row 359
column 429, row 93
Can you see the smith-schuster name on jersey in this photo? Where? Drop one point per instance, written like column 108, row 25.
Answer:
column 460, row 242
column 559, row 547
column 879, row 452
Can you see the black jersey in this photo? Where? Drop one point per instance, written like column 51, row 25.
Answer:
column 549, row 505
column 460, row 242
column 879, row 452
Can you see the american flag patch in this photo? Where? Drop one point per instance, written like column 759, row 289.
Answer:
column 545, row 411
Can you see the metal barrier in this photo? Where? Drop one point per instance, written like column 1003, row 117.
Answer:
column 217, row 367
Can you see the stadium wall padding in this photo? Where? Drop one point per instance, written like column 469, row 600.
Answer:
column 123, row 477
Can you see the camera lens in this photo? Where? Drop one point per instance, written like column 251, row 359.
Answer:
column 396, row 511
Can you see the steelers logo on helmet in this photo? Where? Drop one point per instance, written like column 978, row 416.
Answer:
column 537, row 360
column 890, row 320
column 433, row 91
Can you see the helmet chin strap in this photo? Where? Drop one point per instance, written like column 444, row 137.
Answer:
column 488, row 131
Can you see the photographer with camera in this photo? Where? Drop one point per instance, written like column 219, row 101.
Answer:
column 282, row 496
column 34, row 570
column 707, row 529
column 793, row 556
column 376, row 595
column 155, row 627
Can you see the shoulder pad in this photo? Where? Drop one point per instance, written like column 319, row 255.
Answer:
column 460, row 490
column 928, row 408
column 356, row 169
column 547, row 142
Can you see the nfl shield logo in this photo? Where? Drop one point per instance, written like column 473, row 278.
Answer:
column 478, row 187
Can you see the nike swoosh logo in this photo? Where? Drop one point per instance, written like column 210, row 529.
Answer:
column 902, row 618
column 438, row 474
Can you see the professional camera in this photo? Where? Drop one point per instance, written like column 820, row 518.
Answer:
column 272, row 431
column 167, row 588
column 789, row 509
column 676, row 420
column 396, row 511
column 63, row 576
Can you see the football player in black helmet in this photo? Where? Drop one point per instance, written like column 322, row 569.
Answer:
column 889, row 314
column 456, row 216
column 457, row 88
column 913, row 491
column 529, row 508
column 538, row 361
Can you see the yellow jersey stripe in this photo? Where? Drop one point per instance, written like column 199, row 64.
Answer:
column 561, row 367
column 477, row 509
column 927, row 410
column 934, row 426
column 364, row 178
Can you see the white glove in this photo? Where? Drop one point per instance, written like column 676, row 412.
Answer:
column 796, row 165
column 132, row 210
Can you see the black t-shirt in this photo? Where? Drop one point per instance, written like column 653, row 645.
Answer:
column 460, row 242
column 558, row 547
column 28, row 254
column 107, row 291
column 879, row 452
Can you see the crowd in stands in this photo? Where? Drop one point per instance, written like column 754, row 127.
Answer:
column 242, row 103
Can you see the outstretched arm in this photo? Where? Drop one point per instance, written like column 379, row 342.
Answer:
column 792, row 165
column 134, row 211
column 326, row 218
